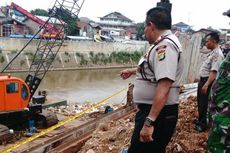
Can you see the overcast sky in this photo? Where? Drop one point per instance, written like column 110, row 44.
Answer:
column 197, row 13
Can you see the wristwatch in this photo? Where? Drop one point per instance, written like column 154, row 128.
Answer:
column 149, row 122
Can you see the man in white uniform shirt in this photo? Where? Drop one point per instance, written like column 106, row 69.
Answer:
column 156, row 87
column 208, row 71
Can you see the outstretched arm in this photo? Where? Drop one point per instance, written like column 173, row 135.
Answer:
column 125, row 74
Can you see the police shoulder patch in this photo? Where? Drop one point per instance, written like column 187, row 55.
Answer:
column 161, row 47
column 161, row 52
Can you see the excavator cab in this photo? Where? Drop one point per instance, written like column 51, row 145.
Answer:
column 15, row 110
column 14, row 95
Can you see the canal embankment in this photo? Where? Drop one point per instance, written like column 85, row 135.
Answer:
column 73, row 54
column 77, row 55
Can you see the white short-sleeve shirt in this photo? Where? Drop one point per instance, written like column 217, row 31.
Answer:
column 163, row 62
column 211, row 62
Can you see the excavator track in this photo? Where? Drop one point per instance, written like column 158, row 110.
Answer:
column 5, row 134
column 20, row 121
column 45, row 119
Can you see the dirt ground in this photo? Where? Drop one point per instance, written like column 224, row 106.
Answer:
column 186, row 139
column 114, row 136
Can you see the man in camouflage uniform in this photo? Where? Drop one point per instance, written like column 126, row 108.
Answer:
column 219, row 111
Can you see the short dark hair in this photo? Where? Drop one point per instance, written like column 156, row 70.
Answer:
column 215, row 36
column 160, row 16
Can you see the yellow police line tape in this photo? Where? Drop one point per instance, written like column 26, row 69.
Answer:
column 15, row 146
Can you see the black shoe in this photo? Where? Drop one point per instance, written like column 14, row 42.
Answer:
column 200, row 128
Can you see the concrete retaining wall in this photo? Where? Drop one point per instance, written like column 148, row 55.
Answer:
column 13, row 44
column 191, row 53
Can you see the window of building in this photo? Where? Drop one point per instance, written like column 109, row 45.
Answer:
column 7, row 30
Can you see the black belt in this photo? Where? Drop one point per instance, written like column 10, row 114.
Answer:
column 203, row 78
column 166, row 110
column 165, row 107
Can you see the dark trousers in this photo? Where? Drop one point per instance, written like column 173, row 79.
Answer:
column 202, row 102
column 163, row 130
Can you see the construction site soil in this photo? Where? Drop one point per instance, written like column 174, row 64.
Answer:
column 113, row 137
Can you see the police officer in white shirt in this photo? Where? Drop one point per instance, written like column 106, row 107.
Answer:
column 156, row 87
column 208, row 71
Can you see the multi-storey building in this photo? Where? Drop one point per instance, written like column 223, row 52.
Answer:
column 181, row 26
column 117, row 25
column 18, row 22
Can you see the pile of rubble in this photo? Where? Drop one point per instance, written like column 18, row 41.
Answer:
column 73, row 109
column 186, row 139
column 114, row 136
column 110, row 137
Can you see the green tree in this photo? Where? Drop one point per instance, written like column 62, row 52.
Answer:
column 40, row 12
column 69, row 19
column 140, row 31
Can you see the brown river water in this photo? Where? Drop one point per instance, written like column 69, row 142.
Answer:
column 80, row 86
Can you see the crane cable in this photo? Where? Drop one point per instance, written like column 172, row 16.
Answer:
column 23, row 142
